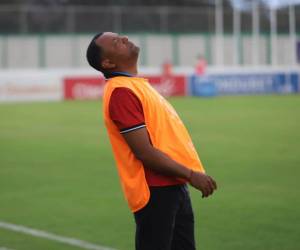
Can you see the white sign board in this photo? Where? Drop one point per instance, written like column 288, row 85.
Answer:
column 30, row 86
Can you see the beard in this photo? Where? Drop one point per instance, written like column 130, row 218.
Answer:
column 135, row 50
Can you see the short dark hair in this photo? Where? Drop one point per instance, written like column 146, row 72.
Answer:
column 94, row 54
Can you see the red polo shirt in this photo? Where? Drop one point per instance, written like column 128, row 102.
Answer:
column 126, row 111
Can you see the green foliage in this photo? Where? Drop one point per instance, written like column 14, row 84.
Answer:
column 57, row 173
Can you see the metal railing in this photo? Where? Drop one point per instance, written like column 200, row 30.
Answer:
column 83, row 19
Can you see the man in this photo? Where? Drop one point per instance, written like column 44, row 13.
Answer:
column 154, row 153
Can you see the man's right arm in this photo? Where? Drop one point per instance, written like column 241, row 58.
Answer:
column 154, row 159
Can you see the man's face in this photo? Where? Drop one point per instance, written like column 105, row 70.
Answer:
column 117, row 49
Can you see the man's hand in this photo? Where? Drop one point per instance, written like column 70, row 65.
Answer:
column 203, row 182
column 154, row 159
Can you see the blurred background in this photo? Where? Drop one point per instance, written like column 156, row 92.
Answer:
column 54, row 33
column 229, row 67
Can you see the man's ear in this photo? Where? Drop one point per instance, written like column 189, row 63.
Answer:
column 107, row 64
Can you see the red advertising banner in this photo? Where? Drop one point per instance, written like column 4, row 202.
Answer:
column 83, row 88
column 168, row 85
column 91, row 88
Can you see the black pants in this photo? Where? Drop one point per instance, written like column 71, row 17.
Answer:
column 167, row 221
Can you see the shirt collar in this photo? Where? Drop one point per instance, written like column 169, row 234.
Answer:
column 118, row 73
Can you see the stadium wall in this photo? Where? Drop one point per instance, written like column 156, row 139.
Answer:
column 74, row 84
column 68, row 51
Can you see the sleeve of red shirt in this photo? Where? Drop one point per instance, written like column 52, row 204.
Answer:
column 126, row 110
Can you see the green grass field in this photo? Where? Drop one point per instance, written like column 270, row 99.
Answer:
column 57, row 174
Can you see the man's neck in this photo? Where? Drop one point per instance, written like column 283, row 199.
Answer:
column 132, row 71
column 129, row 67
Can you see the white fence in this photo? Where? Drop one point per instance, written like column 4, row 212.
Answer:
column 68, row 51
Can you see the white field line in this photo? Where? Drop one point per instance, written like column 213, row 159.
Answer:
column 4, row 248
column 51, row 236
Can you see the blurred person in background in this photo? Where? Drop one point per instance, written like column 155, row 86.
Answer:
column 167, row 69
column 154, row 154
column 201, row 65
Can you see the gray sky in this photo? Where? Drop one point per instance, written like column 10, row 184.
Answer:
column 246, row 4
